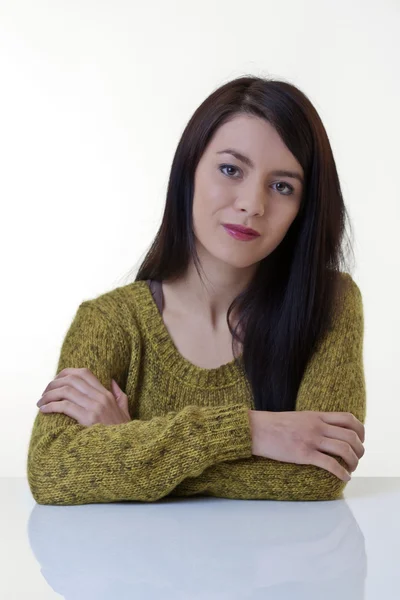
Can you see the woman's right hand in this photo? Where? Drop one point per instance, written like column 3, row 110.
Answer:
column 303, row 437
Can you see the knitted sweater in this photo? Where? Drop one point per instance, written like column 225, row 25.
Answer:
column 190, row 430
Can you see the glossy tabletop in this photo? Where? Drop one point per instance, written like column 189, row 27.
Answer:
column 203, row 548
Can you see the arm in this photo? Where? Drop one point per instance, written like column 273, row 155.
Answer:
column 333, row 381
column 69, row 463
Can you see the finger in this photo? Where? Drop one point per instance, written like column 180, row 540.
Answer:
column 70, row 409
column 344, row 419
column 329, row 464
column 67, row 392
column 83, row 374
column 75, row 381
column 347, row 435
column 339, row 448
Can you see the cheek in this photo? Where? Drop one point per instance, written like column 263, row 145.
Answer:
column 281, row 218
column 207, row 202
column 275, row 233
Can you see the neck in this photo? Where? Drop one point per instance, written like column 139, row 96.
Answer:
column 208, row 300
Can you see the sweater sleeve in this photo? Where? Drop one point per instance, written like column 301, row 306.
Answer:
column 333, row 381
column 69, row 463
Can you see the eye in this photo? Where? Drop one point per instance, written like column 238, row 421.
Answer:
column 290, row 187
column 287, row 185
column 227, row 166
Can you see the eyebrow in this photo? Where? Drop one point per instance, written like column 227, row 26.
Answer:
column 247, row 161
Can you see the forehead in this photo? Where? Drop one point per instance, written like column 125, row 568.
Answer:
column 255, row 138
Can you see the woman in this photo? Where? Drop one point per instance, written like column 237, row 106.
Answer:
column 241, row 356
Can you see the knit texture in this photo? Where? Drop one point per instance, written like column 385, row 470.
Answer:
column 190, row 430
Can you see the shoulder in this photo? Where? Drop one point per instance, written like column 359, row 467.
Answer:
column 348, row 302
column 120, row 304
column 348, row 290
column 348, row 283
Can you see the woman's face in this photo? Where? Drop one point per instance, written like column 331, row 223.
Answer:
column 227, row 190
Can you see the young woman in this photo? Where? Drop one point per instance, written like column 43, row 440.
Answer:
column 233, row 365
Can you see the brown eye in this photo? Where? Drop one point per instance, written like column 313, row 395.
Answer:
column 227, row 167
column 287, row 185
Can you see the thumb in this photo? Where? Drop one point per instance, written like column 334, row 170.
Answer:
column 116, row 390
column 120, row 397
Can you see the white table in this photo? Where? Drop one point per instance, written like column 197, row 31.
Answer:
column 202, row 547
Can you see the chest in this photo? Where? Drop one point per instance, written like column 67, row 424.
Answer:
column 202, row 347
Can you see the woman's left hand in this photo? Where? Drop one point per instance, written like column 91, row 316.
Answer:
column 80, row 395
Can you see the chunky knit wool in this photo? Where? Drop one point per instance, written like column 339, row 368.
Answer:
column 190, row 430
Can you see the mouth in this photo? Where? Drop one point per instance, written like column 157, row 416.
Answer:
column 241, row 233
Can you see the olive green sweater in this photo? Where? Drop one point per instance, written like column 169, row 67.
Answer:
column 190, row 430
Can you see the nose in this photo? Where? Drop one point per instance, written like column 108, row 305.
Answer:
column 253, row 202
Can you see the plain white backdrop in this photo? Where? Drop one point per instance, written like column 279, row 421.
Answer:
column 94, row 97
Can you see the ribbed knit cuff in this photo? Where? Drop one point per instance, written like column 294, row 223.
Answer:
column 226, row 431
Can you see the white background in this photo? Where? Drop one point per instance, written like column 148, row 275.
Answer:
column 94, row 96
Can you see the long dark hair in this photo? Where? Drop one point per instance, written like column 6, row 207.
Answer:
column 289, row 304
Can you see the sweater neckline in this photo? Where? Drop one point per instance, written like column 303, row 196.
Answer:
column 164, row 348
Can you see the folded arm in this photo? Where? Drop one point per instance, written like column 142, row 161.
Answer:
column 69, row 463
column 333, row 381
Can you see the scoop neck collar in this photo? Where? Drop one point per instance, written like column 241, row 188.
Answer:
column 168, row 354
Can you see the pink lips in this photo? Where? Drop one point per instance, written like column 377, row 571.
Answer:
column 241, row 228
column 239, row 235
